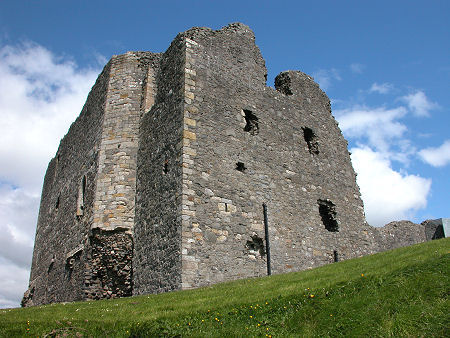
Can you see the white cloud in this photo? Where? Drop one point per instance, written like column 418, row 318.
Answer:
column 377, row 126
column 383, row 88
column 324, row 77
column 387, row 194
column 357, row 68
column 381, row 137
column 12, row 284
column 40, row 95
column 437, row 157
column 18, row 215
column 418, row 103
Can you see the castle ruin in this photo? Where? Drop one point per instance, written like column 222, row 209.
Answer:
column 159, row 183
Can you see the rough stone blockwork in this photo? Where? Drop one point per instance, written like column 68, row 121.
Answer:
column 157, row 261
column 159, row 183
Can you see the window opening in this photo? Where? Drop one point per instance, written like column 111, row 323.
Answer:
column 226, row 207
column 251, row 121
column 240, row 167
column 81, row 196
column 166, row 167
column 256, row 244
column 52, row 263
column 327, row 211
column 335, row 256
column 311, row 140
column 57, row 202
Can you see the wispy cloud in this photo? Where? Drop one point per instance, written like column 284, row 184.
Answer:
column 325, row 77
column 40, row 95
column 418, row 103
column 437, row 157
column 382, row 88
column 357, row 68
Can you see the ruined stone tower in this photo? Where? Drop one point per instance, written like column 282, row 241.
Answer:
column 159, row 183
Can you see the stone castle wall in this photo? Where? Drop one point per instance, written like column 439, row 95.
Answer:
column 159, row 183
column 109, row 268
column 66, row 210
column 157, row 260
column 250, row 147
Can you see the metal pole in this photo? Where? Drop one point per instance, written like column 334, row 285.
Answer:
column 266, row 230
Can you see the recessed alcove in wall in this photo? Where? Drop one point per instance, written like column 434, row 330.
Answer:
column 311, row 140
column 251, row 122
column 327, row 211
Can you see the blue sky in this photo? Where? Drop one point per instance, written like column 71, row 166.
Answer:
column 384, row 64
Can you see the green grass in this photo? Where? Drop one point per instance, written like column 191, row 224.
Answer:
column 403, row 292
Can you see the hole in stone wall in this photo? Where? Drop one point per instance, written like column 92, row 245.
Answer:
column 118, row 146
column 69, row 266
column 240, row 167
column 256, row 244
column 251, row 121
column 52, row 263
column 311, row 140
column 335, row 256
column 283, row 83
column 83, row 187
column 166, row 167
column 81, row 196
column 226, row 207
column 70, row 263
column 327, row 211
column 57, row 202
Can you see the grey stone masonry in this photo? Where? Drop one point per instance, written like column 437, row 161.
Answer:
column 160, row 181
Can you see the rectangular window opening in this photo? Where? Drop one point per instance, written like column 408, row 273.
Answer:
column 311, row 140
column 335, row 256
column 327, row 211
column 81, row 196
column 251, row 122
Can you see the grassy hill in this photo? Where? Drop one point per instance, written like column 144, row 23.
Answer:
column 403, row 292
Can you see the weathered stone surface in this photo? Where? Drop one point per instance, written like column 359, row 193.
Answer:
column 159, row 183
